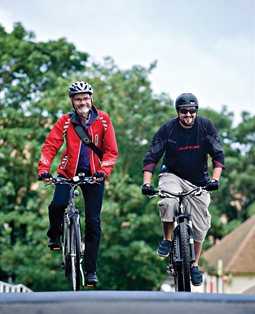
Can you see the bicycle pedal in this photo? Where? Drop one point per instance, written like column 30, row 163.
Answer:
column 90, row 285
column 55, row 248
column 170, row 270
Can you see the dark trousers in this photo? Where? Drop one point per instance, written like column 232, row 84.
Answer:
column 93, row 196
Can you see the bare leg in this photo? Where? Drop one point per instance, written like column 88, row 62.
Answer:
column 198, row 250
column 167, row 229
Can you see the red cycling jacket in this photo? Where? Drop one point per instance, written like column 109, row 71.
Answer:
column 100, row 131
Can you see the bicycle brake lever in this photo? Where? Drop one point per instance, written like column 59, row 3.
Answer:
column 154, row 195
column 199, row 192
column 92, row 182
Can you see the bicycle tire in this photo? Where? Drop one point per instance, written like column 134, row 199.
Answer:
column 182, row 259
column 185, row 256
column 177, row 264
column 75, row 256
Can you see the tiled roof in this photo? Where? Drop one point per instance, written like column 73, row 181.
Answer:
column 250, row 290
column 236, row 250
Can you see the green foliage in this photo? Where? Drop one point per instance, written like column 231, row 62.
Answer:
column 136, row 113
column 28, row 70
column 34, row 78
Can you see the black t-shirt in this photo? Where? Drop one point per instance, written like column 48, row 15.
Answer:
column 186, row 151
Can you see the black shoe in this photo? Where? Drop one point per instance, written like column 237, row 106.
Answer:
column 91, row 279
column 54, row 244
column 164, row 248
column 196, row 276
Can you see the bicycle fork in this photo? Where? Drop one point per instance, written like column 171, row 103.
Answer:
column 175, row 254
column 77, row 218
column 191, row 240
column 66, row 252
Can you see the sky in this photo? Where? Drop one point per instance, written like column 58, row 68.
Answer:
column 206, row 47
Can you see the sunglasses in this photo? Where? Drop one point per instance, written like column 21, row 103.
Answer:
column 185, row 111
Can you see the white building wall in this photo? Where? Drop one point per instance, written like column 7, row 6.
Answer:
column 225, row 284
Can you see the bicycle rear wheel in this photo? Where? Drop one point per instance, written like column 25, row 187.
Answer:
column 182, row 265
column 75, row 256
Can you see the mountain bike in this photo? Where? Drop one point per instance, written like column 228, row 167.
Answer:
column 72, row 248
column 182, row 253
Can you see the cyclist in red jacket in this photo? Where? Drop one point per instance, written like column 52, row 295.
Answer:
column 76, row 158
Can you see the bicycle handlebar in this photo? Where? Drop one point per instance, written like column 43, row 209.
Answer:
column 165, row 194
column 76, row 180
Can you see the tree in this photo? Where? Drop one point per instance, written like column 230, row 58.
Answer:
column 136, row 112
column 34, row 79
column 34, row 97
column 30, row 72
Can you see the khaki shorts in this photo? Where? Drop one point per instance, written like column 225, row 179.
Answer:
column 197, row 206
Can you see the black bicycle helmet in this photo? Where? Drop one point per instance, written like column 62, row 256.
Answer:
column 80, row 87
column 186, row 100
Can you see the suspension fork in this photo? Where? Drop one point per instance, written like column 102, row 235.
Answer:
column 191, row 239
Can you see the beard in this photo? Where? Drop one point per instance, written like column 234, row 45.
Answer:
column 82, row 111
column 187, row 121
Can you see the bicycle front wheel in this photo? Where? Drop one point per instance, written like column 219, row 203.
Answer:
column 185, row 256
column 182, row 259
column 75, row 256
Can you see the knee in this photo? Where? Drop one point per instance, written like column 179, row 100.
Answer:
column 200, row 232
column 93, row 223
column 93, row 229
column 166, row 209
column 57, row 206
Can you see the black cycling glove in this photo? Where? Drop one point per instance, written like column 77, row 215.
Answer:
column 212, row 185
column 44, row 175
column 100, row 176
column 147, row 189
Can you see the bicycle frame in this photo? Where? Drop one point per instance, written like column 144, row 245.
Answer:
column 72, row 220
column 182, row 254
column 72, row 256
column 182, row 217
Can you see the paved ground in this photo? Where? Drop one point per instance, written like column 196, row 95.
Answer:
column 125, row 302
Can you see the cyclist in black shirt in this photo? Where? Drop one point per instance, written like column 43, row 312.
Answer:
column 185, row 143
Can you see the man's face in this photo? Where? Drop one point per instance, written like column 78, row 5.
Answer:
column 187, row 115
column 82, row 103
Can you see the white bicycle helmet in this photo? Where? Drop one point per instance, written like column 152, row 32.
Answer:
column 80, row 87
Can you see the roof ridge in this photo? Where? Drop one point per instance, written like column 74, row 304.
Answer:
column 243, row 243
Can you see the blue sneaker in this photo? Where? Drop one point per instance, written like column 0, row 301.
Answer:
column 196, row 276
column 164, row 248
